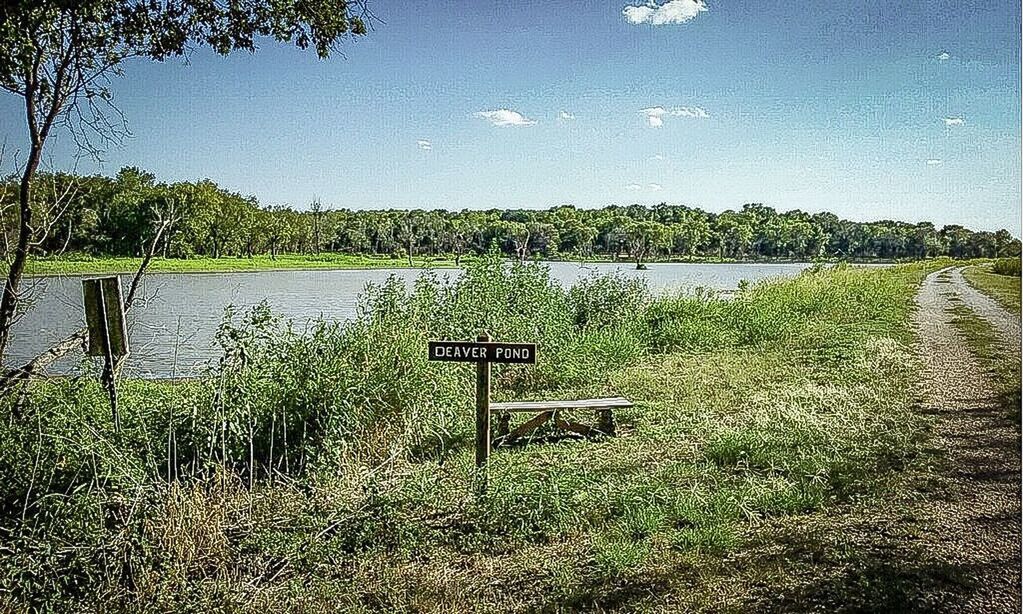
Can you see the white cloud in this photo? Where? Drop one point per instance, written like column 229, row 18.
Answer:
column 672, row 11
column 566, row 116
column 944, row 56
column 655, row 187
column 954, row 121
column 505, row 117
column 696, row 112
column 657, row 158
column 424, row 144
column 934, row 162
column 655, row 115
column 633, row 187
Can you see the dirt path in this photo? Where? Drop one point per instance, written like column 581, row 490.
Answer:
column 974, row 527
column 1006, row 323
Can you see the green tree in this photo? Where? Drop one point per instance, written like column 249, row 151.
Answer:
column 734, row 234
column 690, row 233
column 515, row 233
column 410, row 230
column 645, row 238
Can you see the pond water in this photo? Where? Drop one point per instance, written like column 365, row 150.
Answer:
column 172, row 327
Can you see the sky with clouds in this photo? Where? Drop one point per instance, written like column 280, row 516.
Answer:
column 869, row 109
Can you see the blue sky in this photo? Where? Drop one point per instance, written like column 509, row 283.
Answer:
column 870, row 110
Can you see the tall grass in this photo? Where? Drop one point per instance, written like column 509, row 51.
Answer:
column 330, row 466
column 1007, row 266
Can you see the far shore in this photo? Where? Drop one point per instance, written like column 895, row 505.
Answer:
column 86, row 265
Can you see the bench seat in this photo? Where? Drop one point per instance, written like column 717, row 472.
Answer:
column 519, row 406
column 551, row 410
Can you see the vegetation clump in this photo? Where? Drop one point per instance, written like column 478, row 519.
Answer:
column 1006, row 266
column 332, row 466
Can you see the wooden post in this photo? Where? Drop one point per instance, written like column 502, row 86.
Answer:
column 108, row 337
column 482, row 419
column 108, row 362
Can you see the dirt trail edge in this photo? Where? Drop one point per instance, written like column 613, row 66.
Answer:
column 1006, row 323
column 975, row 526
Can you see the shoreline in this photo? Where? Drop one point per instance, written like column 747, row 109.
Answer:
column 231, row 265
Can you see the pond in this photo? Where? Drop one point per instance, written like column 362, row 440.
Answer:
column 172, row 327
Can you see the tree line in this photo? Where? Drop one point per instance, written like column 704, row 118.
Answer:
column 116, row 216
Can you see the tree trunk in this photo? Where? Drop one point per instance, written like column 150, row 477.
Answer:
column 9, row 302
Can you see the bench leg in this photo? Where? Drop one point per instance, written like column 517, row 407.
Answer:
column 606, row 421
column 526, row 427
column 573, row 427
column 503, row 421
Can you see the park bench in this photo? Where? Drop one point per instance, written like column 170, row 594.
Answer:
column 553, row 410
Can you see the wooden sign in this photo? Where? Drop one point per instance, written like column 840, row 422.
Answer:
column 104, row 315
column 483, row 351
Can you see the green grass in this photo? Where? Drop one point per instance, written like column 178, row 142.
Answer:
column 80, row 264
column 332, row 469
column 1003, row 288
column 84, row 265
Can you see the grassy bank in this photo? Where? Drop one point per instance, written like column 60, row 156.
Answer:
column 88, row 265
column 331, row 469
column 1004, row 288
column 84, row 265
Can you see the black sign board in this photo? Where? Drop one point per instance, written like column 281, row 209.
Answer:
column 483, row 351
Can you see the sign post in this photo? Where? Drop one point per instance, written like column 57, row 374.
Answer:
column 482, row 418
column 483, row 351
column 108, row 335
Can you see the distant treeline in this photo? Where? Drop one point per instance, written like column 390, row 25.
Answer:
column 117, row 216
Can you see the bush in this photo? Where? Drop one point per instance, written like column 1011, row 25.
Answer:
column 1007, row 266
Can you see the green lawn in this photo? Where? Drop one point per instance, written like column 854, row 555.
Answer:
column 1003, row 288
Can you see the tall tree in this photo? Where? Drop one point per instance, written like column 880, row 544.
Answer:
column 409, row 230
column 646, row 238
column 58, row 57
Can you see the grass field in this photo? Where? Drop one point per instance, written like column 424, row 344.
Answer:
column 332, row 470
column 1003, row 288
column 89, row 265
column 83, row 265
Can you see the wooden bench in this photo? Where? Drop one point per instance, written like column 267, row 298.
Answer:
column 551, row 410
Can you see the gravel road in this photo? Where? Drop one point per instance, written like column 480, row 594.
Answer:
column 974, row 526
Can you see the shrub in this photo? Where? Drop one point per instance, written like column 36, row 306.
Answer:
column 1007, row 266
